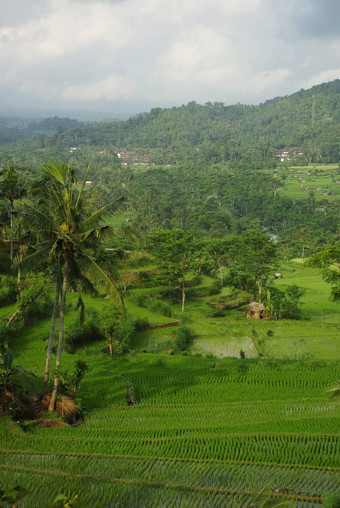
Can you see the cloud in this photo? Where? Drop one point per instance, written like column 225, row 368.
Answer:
column 320, row 18
column 155, row 52
column 195, row 54
column 16, row 12
column 322, row 77
column 110, row 88
column 68, row 27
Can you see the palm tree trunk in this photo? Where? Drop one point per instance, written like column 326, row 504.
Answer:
column 61, row 334
column 110, row 345
column 51, row 338
column 22, row 251
column 11, row 228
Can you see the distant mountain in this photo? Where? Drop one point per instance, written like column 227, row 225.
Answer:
column 53, row 123
column 308, row 119
column 13, row 129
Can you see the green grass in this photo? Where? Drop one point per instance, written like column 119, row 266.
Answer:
column 317, row 305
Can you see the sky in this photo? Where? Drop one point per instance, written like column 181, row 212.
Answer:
column 107, row 58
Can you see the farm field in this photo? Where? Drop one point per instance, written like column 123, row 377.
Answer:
column 206, row 428
column 204, row 432
column 163, row 342
column 318, row 178
column 314, row 337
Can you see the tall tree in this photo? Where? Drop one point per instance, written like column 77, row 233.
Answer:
column 328, row 261
column 255, row 255
column 69, row 232
column 12, row 188
column 176, row 253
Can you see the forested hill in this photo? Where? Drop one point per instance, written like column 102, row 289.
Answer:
column 309, row 119
column 14, row 129
column 213, row 132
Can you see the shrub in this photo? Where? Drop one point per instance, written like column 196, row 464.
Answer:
column 229, row 302
column 161, row 307
column 195, row 281
column 69, row 383
column 214, row 289
column 147, row 279
column 118, row 329
column 159, row 363
column 77, row 335
column 33, row 300
column 293, row 296
column 280, row 304
column 8, row 290
column 138, row 299
column 136, row 260
column 173, row 295
column 153, row 304
column 217, row 313
column 141, row 324
column 184, row 337
column 7, row 333
column 125, row 330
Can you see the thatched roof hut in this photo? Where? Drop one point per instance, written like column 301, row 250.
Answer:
column 255, row 310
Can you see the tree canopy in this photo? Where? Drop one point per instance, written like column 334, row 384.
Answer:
column 328, row 260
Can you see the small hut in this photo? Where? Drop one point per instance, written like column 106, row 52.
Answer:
column 255, row 310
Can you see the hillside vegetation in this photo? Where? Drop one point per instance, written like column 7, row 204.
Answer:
column 169, row 308
column 214, row 132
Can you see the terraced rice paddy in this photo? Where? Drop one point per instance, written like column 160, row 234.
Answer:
column 204, row 432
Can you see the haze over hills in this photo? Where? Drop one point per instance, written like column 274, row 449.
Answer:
column 308, row 119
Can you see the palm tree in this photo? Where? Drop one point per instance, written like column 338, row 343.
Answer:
column 69, row 232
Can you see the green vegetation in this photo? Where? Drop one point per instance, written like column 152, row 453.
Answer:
column 167, row 391
column 199, row 427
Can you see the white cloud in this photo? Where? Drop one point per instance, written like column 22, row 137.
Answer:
column 194, row 53
column 68, row 27
column 156, row 52
column 266, row 80
column 113, row 87
column 322, row 77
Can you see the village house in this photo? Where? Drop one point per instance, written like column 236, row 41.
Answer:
column 288, row 153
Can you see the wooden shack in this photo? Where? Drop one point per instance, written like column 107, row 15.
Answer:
column 255, row 310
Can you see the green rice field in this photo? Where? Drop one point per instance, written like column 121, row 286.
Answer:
column 317, row 178
column 206, row 428
column 202, row 432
